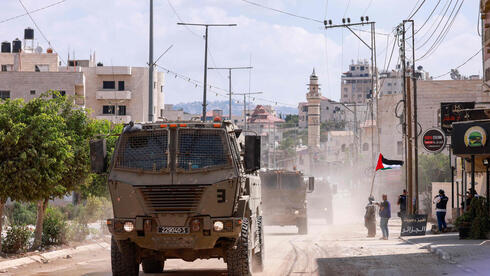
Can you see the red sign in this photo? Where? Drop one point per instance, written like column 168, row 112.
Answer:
column 434, row 140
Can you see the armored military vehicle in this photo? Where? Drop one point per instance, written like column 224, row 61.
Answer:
column 183, row 190
column 320, row 201
column 284, row 198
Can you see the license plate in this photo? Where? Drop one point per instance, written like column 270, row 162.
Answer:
column 173, row 230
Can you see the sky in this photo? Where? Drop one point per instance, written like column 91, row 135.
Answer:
column 282, row 49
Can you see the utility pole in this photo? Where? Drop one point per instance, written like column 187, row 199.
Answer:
column 245, row 105
column 374, row 79
column 151, row 67
column 229, row 80
column 409, row 148
column 205, row 59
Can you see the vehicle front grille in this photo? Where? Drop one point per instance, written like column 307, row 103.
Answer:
column 171, row 199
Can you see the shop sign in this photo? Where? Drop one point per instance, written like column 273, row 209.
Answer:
column 434, row 140
column 470, row 138
column 451, row 112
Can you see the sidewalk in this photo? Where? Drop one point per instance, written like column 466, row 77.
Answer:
column 45, row 257
column 471, row 255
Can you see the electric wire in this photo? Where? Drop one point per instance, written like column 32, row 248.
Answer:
column 281, row 11
column 434, row 22
column 428, row 18
column 441, row 36
column 414, row 7
column 438, row 24
column 215, row 88
column 39, row 29
column 461, row 65
column 421, row 4
column 368, row 6
column 33, row 11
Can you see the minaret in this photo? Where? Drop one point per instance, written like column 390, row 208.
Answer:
column 313, row 98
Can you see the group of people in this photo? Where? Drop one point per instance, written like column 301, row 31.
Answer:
column 439, row 200
column 384, row 214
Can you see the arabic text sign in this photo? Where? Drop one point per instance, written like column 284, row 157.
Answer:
column 414, row 225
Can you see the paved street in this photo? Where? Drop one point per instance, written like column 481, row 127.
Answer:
column 326, row 250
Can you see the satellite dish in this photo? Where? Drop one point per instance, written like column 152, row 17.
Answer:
column 38, row 50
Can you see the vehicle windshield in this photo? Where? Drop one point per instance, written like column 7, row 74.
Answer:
column 202, row 148
column 269, row 181
column 291, row 182
column 144, row 150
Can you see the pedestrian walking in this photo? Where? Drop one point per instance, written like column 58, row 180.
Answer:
column 385, row 215
column 402, row 201
column 440, row 201
column 370, row 218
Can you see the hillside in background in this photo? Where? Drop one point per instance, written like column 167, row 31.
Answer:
column 237, row 108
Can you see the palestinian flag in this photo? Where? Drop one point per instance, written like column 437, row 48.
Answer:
column 385, row 164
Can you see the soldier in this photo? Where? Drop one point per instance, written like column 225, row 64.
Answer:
column 370, row 218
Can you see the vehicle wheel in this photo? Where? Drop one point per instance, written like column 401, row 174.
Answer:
column 303, row 226
column 239, row 259
column 123, row 259
column 258, row 258
column 152, row 266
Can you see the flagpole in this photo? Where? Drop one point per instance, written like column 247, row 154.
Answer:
column 372, row 184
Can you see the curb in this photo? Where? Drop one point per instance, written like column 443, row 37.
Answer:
column 443, row 254
column 52, row 255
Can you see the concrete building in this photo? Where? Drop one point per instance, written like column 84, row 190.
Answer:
column 485, row 17
column 119, row 93
column 116, row 93
column 29, row 74
column 356, row 83
column 170, row 113
column 431, row 93
column 313, row 97
column 330, row 110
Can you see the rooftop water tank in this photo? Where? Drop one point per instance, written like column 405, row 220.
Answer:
column 6, row 47
column 16, row 46
column 28, row 33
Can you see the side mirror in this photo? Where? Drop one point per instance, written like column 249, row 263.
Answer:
column 252, row 153
column 98, row 153
column 311, row 184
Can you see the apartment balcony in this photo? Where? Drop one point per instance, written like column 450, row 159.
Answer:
column 125, row 119
column 113, row 70
column 113, row 95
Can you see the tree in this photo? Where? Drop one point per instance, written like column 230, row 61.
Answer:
column 432, row 168
column 47, row 150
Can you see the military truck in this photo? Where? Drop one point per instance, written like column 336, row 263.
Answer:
column 183, row 190
column 320, row 201
column 284, row 198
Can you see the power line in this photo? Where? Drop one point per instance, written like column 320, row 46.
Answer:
column 214, row 88
column 368, row 6
column 427, row 20
column 461, row 65
column 438, row 24
column 33, row 11
column 413, row 14
column 283, row 12
column 442, row 35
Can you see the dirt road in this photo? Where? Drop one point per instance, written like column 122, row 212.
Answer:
column 326, row 250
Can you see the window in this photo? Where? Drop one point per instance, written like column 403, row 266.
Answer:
column 362, row 68
column 352, row 68
column 161, row 88
column 389, row 84
column 4, row 94
column 7, row 67
column 41, row 68
column 62, row 93
column 202, row 148
column 108, row 109
column 345, row 96
column 345, row 89
column 143, row 150
column 121, row 110
column 399, row 147
column 33, row 92
column 120, row 86
column 365, row 147
column 109, row 85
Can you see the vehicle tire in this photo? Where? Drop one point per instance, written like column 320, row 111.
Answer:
column 152, row 266
column 123, row 258
column 239, row 259
column 258, row 258
column 302, row 226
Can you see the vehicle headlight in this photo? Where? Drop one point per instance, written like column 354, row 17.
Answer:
column 128, row 226
column 218, row 226
column 296, row 212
